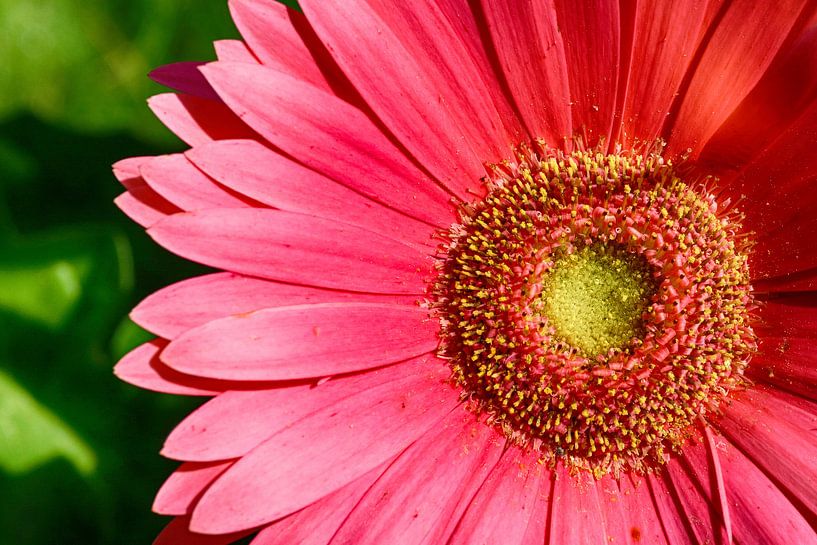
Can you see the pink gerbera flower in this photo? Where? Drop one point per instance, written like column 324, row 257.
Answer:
column 495, row 272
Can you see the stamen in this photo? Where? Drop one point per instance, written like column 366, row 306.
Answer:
column 594, row 306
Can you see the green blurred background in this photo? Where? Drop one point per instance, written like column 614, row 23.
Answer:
column 79, row 456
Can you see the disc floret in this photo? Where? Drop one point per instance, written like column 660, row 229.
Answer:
column 595, row 305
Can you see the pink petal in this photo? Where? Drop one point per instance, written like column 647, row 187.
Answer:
column 503, row 509
column 127, row 170
column 196, row 120
column 144, row 206
column 185, row 78
column 420, row 498
column 761, row 513
column 141, row 203
column 182, row 489
column 661, row 53
column 577, row 516
column 591, row 35
column 643, row 522
column 142, row 367
column 422, row 80
column 282, row 40
column 327, row 135
column 316, row 524
column 234, row 51
column 256, row 171
column 324, row 451
column 191, row 303
column 784, row 92
column 177, row 533
column 732, row 61
column 692, row 487
column 674, row 520
column 220, row 429
column 776, row 432
column 181, row 183
column 304, row 341
column 531, row 53
column 295, row 248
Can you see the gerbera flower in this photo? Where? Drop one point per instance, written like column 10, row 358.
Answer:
column 505, row 272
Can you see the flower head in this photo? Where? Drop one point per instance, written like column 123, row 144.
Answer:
column 493, row 272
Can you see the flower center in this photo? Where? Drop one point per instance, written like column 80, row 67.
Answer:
column 595, row 299
column 595, row 306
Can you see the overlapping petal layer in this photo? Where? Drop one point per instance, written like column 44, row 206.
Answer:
column 330, row 147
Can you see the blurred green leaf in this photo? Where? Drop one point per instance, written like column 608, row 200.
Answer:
column 44, row 279
column 84, row 63
column 31, row 435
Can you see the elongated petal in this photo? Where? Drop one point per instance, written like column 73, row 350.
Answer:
column 316, row 524
column 322, row 452
column 178, row 181
column 144, row 206
column 220, row 429
column 761, row 513
column 191, row 303
column 747, row 37
column 502, row 510
column 143, row 368
column 185, row 78
column 789, row 363
column 182, row 489
column 420, row 80
column 327, row 135
column 197, row 120
column 234, row 51
column 662, row 50
column 774, row 431
column 295, row 248
column 784, row 92
column 304, row 341
column 591, row 34
column 282, row 39
column 423, row 494
column 178, row 533
column 531, row 53
column 256, row 171
column 576, row 501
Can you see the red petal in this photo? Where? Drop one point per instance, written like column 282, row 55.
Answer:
column 591, row 35
column 732, row 61
column 661, row 52
column 531, row 53
column 577, row 516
